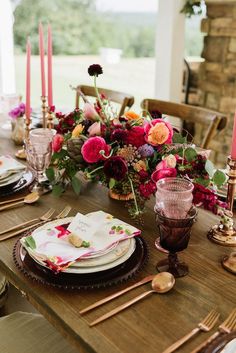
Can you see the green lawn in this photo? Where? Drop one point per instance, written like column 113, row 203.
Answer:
column 134, row 76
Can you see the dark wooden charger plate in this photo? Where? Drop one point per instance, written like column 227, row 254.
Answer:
column 219, row 343
column 26, row 180
column 69, row 281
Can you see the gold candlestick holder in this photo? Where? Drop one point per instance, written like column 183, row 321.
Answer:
column 21, row 154
column 44, row 111
column 50, row 124
column 224, row 233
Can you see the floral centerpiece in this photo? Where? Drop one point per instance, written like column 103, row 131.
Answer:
column 128, row 154
column 18, row 111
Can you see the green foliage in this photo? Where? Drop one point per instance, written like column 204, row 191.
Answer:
column 209, row 166
column 219, row 178
column 190, row 154
column 192, row 7
column 30, row 242
column 178, row 138
column 76, row 185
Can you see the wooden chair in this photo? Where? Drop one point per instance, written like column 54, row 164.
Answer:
column 123, row 99
column 212, row 122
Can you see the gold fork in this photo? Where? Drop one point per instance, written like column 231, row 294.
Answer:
column 226, row 327
column 62, row 214
column 205, row 325
column 44, row 217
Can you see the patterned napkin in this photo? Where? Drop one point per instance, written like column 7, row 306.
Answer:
column 9, row 165
column 52, row 245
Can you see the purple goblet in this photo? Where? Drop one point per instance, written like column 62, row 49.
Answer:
column 174, row 237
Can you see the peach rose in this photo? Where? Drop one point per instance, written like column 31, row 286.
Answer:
column 133, row 117
column 158, row 132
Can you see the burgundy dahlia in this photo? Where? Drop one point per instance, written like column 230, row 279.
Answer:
column 95, row 70
column 119, row 135
column 116, row 168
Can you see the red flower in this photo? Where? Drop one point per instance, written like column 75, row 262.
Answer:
column 136, row 136
column 92, row 147
column 119, row 135
column 163, row 173
column 147, row 189
column 116, row 168
column 57, row 142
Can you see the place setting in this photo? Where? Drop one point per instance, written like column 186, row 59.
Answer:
column 82, row 252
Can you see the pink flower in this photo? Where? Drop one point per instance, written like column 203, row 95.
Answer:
column 158, row 132
column 163, row 173
column 92, row 147
column 90, row 112
column 57, row 142
column 147, row 189
column 95, row 129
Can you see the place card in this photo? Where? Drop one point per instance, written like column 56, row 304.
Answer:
column 83, row 226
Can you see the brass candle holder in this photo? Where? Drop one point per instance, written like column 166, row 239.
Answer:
column 21, row 154
column 44, row 111
column 224, row 233
column 50, row 124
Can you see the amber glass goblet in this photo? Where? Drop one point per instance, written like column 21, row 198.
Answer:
column 174, row 237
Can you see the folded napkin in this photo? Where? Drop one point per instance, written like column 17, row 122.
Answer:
column 52, row 245
column 9, row 165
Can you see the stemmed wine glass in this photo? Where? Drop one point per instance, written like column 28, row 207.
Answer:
column 175, row 216
column 39, row 151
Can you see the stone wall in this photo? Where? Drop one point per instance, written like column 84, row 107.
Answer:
column 217, row 74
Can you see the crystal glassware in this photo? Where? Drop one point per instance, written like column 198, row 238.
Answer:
column 39, row 152
column 174, row 237
column 174, row 197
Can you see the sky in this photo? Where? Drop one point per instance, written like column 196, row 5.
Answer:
column 127, row 5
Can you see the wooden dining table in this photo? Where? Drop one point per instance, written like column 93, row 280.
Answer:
column 150, row 325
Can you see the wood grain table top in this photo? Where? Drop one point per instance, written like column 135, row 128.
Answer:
column 150, row 325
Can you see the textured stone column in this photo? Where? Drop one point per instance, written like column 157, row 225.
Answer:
column 217, row 75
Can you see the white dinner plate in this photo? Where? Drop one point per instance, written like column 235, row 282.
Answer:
column 11, row 179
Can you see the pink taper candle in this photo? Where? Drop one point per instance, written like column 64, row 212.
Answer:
column 41, row 52
column 50, row 100
column 233, row 147
column 27, row 102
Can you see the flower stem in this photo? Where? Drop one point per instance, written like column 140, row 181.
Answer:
column 95, row 170
column 98, row 97
column 135, row 200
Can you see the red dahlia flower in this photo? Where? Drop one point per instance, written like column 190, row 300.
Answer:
column 116, row 168
column 136, row 136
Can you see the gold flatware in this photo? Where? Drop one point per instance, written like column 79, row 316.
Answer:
column 62, row 214
column 30, row 198
column 205, row 325
column 13, row 200
column 44, row 217
column 161, row 283
column 117, row 294
column 227, row 326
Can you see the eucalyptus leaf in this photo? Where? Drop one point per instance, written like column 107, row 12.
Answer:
column 50, row 173
column 219, row 178
column 112, row 183
column 210, row 169
column 178, row 138
column 30, row 242
column 76, row 185
column 190, row 154
column 57, row 190
column 202, row 181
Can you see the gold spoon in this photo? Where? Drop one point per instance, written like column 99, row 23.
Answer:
column 30, row 198
column 161, row 283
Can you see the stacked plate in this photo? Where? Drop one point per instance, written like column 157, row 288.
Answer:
column 13, row 176
column 46, row 255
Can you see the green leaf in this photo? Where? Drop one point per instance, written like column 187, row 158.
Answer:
column 76, row 185
column 219, row 178
column 57, row 190
column 50, row 173
column 178, row 138
column 190, row 154
column 30, row 242
column 59, row 155
column 112, row 183
column 202, row 181
column 210, row 169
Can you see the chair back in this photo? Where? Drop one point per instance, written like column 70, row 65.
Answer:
column 123, row 99
column 212, row 122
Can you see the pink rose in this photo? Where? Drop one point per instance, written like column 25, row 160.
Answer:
column 92, row 147
column 95, row 129
column 163, row 173
column 90, row 112
column 57, row 142
column 158, row 132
